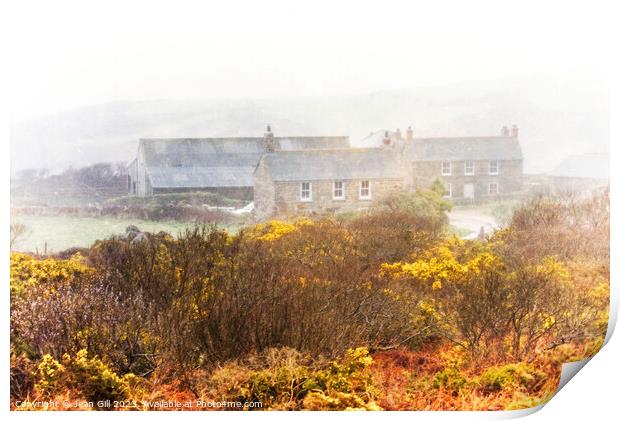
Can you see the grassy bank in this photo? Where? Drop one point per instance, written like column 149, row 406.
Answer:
column 62, row 232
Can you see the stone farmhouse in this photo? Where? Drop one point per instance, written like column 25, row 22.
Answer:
column 317, row 181
column 301, row 175
column 475, row 168
column 472, row 168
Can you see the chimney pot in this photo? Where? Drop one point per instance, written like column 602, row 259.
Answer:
column 386, row 139
column 409, row 133
column 514, row 131
column 268, row 140
column 398, row 135
column 504, row 131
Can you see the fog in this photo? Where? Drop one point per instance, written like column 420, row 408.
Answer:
column 557, row 117
column 88, row 81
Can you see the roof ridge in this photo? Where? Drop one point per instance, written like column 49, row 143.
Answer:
column 198, row 138
column 351, row 148
column 241, row 138
column 310, row 137
column 464, row 137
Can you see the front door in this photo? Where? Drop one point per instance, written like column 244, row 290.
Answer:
column 468, row 191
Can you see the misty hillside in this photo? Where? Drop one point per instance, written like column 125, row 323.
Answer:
column 556, row 118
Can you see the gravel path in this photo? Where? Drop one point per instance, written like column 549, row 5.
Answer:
column 472, row 220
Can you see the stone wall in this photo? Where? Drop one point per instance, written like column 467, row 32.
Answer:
column 238, row 193
column 264, row 192
column 143, row 186
column 509, row 179
column 132, row 175
column 287, row 196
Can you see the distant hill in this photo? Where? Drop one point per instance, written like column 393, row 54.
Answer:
column 556, row 118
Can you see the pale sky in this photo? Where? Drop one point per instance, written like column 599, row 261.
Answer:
column 66, row 54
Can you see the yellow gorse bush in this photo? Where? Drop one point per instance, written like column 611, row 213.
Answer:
column 551, row 267
column 48, row 372
column 259, row 315
column 440, row 264
column 90, row 378
column 286, row 379
column 28, row 271
column 273, row 230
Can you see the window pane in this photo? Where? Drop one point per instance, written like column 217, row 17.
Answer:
column 365, row 188
column 305, row 190
column 338, row 189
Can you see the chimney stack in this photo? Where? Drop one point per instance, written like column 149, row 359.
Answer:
column 409, row 133
column 386, row 139
column 398, row 135
column 505, row 131
column 514, row 131
column 268, row 140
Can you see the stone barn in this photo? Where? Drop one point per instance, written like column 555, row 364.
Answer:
column 222, row 165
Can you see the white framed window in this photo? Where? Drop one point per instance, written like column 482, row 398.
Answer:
column 493, row 188
column 446, row 168
column 365, row 190
column 338, row 191
column 493, row 167
column 305, row 191
column 448, row 191
column 469, row 168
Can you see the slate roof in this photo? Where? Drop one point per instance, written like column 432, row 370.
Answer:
column 334, row 164
column 592, row 166
column 201, row 177
column 465, row 148
column 216, row 162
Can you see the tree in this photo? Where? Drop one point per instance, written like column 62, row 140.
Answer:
column 17, row 230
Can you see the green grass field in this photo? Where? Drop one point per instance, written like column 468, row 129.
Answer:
column 63, row 232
